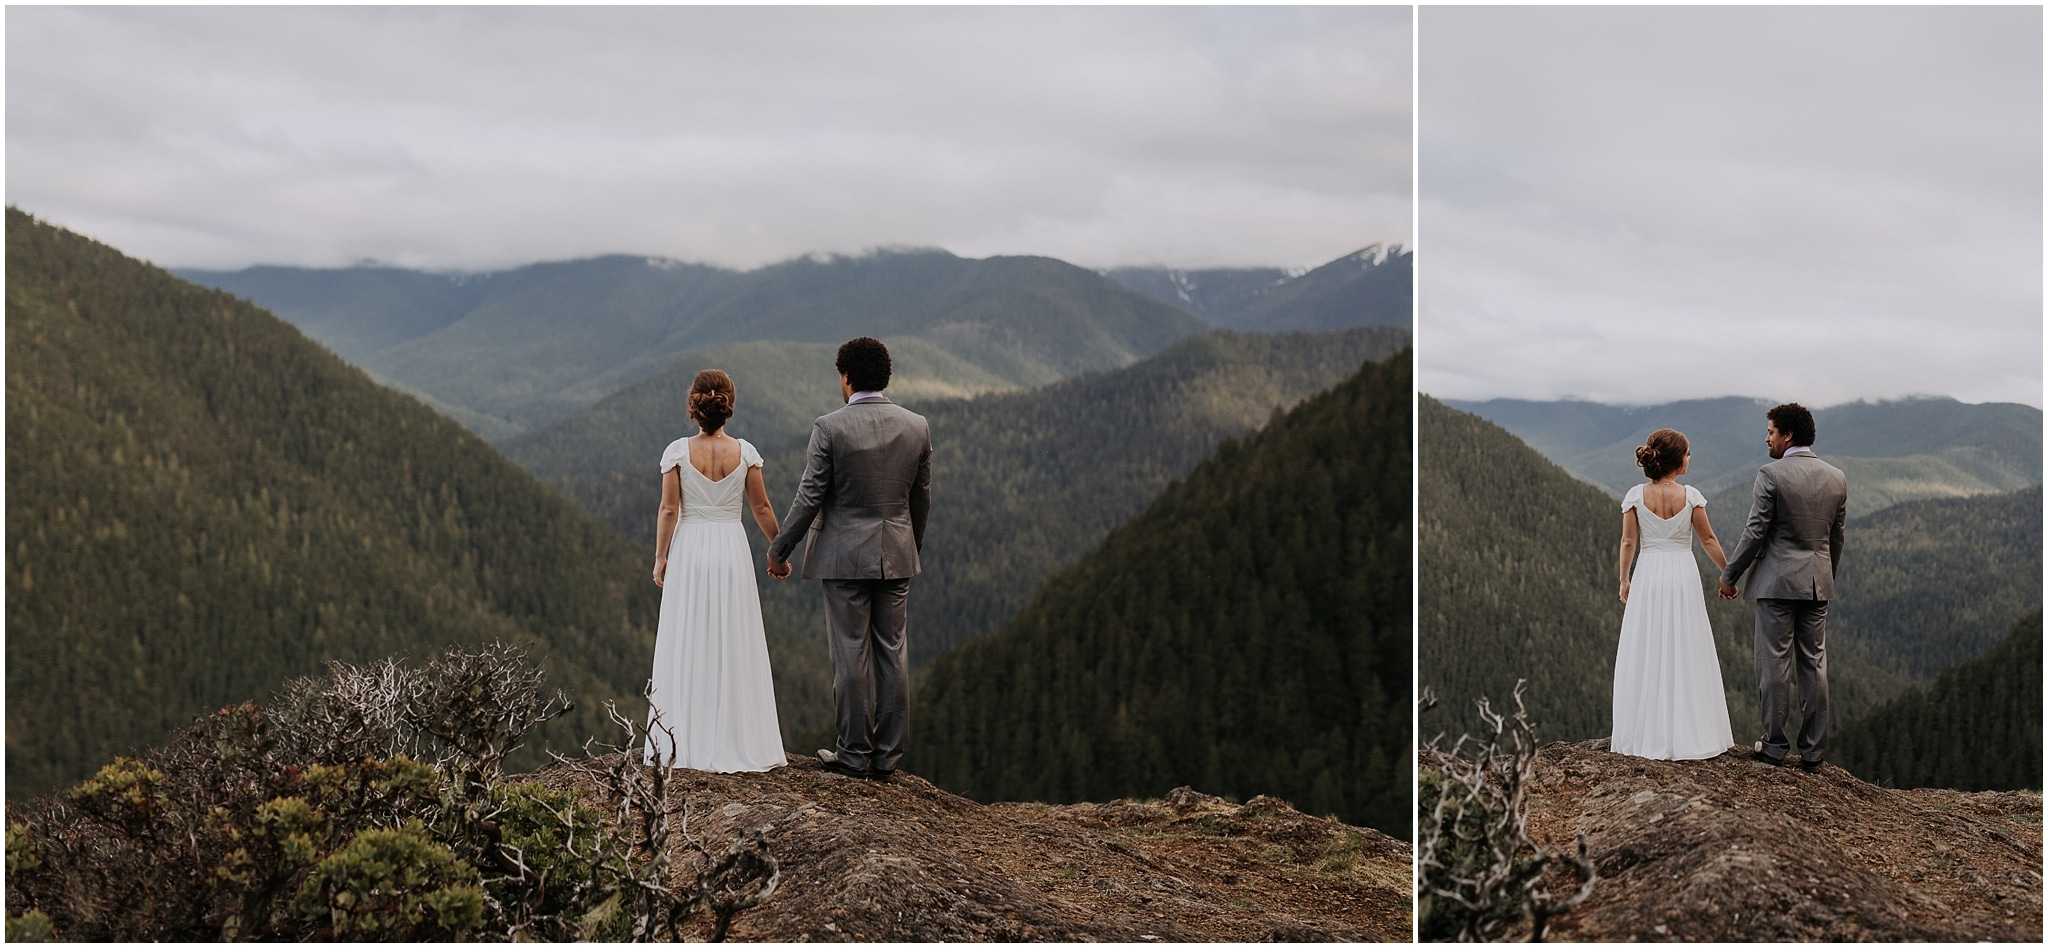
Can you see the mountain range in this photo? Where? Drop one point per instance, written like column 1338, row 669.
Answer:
column 1247, row 632
column 510, row 351
column 203, row 504
column 1371, row 287
column 1893, row 451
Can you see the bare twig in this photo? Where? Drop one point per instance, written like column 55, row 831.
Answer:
column 636, row 776
column 1480, row 874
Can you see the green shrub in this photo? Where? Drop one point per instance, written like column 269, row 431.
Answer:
column 392, row 885
column 259, row 824
column 34, row 926
column 552, row 837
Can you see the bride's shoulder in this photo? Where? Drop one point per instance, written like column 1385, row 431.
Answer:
column 749, row 455
column 1693, row 496
column 1632, row 499
column 676, row 452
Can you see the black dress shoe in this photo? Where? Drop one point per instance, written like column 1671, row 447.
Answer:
column 1811, row 766
column 881, row 776
column 830, row 761
column 1756, row 753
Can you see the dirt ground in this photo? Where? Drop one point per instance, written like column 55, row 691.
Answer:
column 1731, row 849
column 906, row 861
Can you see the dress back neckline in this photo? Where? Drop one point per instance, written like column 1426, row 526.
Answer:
column 708, row 478
column 1643, row 503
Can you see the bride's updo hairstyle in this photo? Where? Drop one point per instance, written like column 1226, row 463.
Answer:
column 1662, row 453
column 711, row 399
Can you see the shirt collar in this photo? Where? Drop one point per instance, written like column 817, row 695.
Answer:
column 1800, row 449
column 862, row 396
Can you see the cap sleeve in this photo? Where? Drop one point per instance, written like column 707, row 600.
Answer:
column 1694, row 497
column 1633, row 499
column 678, row 452
column 748, row 456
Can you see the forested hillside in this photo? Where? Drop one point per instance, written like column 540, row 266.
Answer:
column 1977, row 727
column 203, row 504
column 1372, row 287
column 1893, row 451
column 1929, row 583
column 1246, row 634
column 528, row 346
column 1517, row 580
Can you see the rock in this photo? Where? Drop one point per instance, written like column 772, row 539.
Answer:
column 1730, row 849
column 906, row 861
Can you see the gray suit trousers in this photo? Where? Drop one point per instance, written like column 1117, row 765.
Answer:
column 866, row 622
column 1789, row 632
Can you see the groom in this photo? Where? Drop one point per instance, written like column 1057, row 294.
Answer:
column 863, row 498
column 1794, row 540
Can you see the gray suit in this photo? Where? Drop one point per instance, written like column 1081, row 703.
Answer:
column 863, row 499
column 1791, row 546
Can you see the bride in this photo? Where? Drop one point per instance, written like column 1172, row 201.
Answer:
column 1668, row 702
column 711, row 684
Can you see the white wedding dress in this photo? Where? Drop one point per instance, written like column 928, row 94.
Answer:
column 711, row 680
column 1668, row 702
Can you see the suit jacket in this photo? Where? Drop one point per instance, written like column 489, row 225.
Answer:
column 866, row 489
column 1792, row 543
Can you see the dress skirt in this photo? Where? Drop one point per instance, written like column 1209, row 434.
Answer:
column 1668, row 701
column 711, row 682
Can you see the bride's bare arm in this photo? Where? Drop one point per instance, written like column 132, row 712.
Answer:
column 757, row 498
column 1705, row 531
column 764, row 516
column 1628, row 548
column 665, row 519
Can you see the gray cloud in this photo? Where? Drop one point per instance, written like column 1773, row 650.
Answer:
column 1645, row 204
column 479, row 137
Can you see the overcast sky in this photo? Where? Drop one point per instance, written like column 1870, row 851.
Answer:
column 1638, row 205
column 471, row 138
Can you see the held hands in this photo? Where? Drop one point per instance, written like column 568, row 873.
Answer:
column 779, row 570
column 1728, row 591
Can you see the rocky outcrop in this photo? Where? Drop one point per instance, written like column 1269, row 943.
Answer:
column 1731, row 849
column 906, row 861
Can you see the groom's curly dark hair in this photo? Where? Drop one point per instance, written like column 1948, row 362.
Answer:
column 865, row 363
column 1793, row 419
